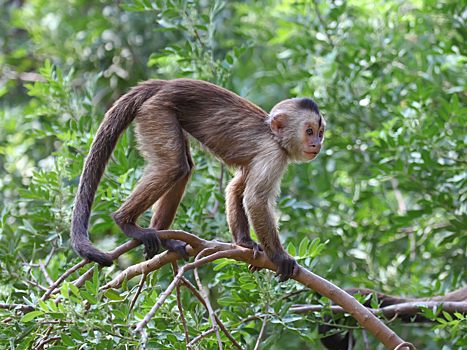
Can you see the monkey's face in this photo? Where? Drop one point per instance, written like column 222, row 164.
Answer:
column 312, row 136
column 299, row 127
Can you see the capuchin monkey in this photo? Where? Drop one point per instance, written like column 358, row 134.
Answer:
column 340, row 341
column 242, row 135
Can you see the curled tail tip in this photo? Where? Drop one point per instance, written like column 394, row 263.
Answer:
column 91, row 253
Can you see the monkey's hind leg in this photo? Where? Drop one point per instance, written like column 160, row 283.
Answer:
column 161, row 141
column 166, row 208
column 236, row 216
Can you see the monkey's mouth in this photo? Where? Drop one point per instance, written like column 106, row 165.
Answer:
column 310, row 154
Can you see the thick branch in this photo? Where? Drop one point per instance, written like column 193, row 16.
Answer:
column 391, row 310
column 307, row 278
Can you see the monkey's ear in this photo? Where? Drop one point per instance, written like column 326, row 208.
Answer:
column 278, row 123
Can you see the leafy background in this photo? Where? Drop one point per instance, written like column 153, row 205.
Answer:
column 387, row 195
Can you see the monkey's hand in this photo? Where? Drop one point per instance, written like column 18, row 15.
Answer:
column 176, row 246
column 287, row 266
column 151, row 242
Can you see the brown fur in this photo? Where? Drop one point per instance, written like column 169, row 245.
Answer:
column 232, row 128
column 341, row 342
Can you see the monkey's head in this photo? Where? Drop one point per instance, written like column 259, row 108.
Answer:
column 299, row 127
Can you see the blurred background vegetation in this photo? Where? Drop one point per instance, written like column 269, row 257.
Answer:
column 387, row 195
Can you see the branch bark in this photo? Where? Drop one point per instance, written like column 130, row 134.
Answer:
column 391, row 310
column 365, row 317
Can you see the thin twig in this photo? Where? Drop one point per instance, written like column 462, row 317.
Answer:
column 202, row 335
column 220, row 189
column 27, row 281
column 291, row 294
column 205, row 296
column 180, row 307
column 365, row 339
column 450, row 158
column 403, row 212
column 138, row 292
column 62, row 278
column 263, row 327
column 321, row 20
column 171, row 287
column 45, row 341
column 193, row 289
column 350, row 347
column 54, row 246
column 46, row 274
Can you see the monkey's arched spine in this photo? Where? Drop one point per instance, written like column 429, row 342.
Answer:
column 116, row 120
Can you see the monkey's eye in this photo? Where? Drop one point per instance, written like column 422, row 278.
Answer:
column 309, row 131
column 321, row 133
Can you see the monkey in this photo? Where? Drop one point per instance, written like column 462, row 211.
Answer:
column 339, row 341
column 167, row 113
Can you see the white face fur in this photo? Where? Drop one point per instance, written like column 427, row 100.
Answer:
column 299, row 127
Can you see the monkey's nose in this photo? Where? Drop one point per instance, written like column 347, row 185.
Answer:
column 316, row 147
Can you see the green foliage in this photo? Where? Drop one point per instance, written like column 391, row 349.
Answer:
column 387, row 195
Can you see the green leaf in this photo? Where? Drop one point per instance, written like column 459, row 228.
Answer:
column 67, row 340
column 31, row 315
column 74, row 290
column 43, row 306
column 302, row 247
column 90, row 287
column 113, row 295
column 291, row 249
column 249, row 286
column 64, row 290
column 88, row 297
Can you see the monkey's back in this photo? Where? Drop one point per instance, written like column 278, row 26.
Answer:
column 230, row 126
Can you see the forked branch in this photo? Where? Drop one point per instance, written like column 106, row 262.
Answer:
column 225, row 250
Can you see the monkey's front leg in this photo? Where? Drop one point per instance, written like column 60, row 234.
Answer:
column 236, row 216
column 263, row 222
column 258, row 201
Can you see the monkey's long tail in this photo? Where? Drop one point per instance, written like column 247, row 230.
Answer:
column 116, row 120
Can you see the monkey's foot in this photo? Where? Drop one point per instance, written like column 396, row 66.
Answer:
column 254, row 268
column 176, row 246
column 287, row 266
column 252, row 245
column 151, row 242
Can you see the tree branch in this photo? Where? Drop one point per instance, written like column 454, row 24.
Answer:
column 391, row 310
column 307, row 278
column 205, row 296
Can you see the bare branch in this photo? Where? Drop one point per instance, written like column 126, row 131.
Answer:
column 32, row 283
column 171, row 287
column 202, row 335
column 138, row 292
column 350, row 347
column 20, row 307
column 391, row 310
column 54, row 246
column 62, row 278
column 307, row 278
column 265, row 320
column 205, row 296
column 193, row 289
column 46, row 274
column 180, row 308
column 321, row 20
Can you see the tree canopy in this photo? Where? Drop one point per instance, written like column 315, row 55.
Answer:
column 383, row 206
